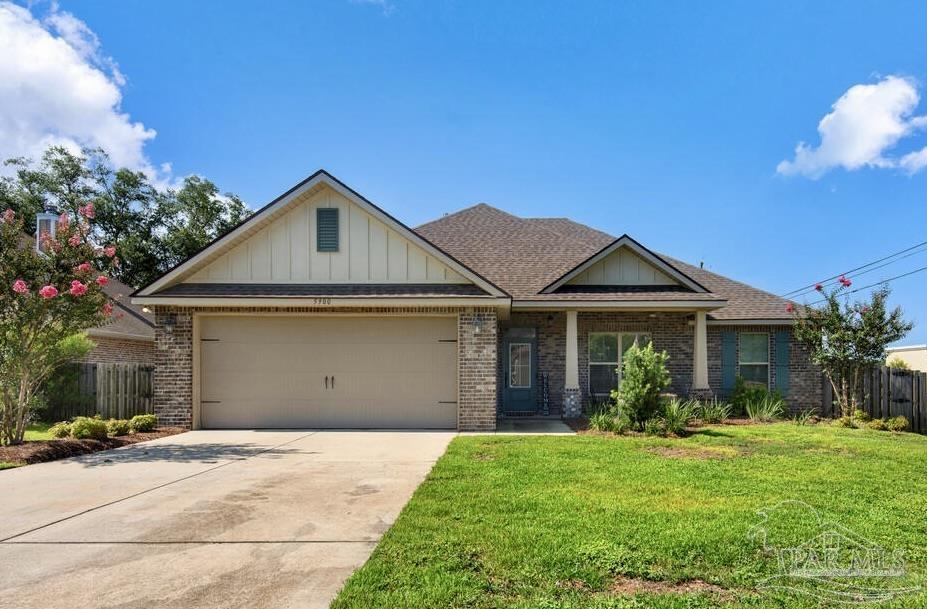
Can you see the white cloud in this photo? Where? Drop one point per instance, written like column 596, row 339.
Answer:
column 863, row 125
column 58, row 87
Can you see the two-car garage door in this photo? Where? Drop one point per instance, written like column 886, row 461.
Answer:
column 334, row 372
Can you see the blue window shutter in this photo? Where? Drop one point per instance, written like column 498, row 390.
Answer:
column 326, row 227
column 728, row 361
column 782, row 362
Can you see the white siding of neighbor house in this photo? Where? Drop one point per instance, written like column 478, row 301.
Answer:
column 284, row 251
column 622, row 267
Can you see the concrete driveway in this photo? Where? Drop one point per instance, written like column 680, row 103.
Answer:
column 207, row 518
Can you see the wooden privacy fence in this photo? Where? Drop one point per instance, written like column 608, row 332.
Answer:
column 114, row 391
column 889, row 392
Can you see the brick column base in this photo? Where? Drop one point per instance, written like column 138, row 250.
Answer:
column 701, row 394
column 572, row 403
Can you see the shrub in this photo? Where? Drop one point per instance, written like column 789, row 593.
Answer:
column 644, row 377
column 877, row 424
column 861, row 415
column 143, row 422
column 847, row 422
column 118, row 427
column 714, row 411
column 654, row 427
column 806, row 417
column 898, row 364
column 85, row 427
column 677, row 415
column 769, row 408
column 745, row 393
column 898, row 423
column 60, row 430
column 603, row 420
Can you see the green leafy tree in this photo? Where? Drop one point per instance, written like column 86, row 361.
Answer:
column 153, row 229
column 847, row 339
column 47, row 300
column 643, row 378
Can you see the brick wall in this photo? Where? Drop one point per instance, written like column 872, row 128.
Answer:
column 804, row 377
column 118, row 351
column 173, row 378
column 477, row 349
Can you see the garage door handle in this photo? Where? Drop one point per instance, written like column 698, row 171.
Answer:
column 333, row 381
column 326, row 381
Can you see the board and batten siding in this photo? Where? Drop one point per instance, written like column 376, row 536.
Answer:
column 284, row 251
column 622, row 267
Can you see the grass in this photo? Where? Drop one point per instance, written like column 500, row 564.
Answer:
column 567, row 522
column 38, row 431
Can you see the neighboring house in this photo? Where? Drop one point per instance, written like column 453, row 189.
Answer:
column 128, row 337
column 322, row 310
column 913, row 355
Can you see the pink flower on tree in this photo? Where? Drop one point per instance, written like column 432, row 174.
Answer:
column 818, row 287
column 102, row 280
column 844, row 281
column 20, row 287
column 48, row 291
column 789, row 308
column 77, row 288
column 109, row 251
column 74, row 240
column 864, row 309
column 107, row 309
column 87, row 211
column 64, row 221
column 8, row 216
column 83, row 267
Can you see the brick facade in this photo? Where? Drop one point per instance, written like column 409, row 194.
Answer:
column 118, row 351
column 477, row 331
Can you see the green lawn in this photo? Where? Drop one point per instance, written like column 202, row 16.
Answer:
column 596, row 521
column 38, row 431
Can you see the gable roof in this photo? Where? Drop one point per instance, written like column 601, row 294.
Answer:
column 527, row 255
column 129, row 321
column 276, row 208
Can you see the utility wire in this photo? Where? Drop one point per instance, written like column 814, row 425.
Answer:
column 853, row 275
column 859, row 268
column 872, row 285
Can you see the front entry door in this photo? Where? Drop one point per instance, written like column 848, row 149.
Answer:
column 519, row 353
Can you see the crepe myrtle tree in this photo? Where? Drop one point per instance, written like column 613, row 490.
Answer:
column 848, row 338
column 47, row 299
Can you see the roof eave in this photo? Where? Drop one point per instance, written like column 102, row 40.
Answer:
column 619, row 305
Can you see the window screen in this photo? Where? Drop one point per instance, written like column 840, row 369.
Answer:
column 754, row 357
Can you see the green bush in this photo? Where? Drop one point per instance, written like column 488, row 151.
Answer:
column 603, row 420
column 847, row 422
column 861, row 415
column 143, row 422
column 877, row 424
column 745, row 393
column 898, row 364
column 714, row 411
column 768, row 408
column 644, row 377
column 677, row 415
column 806, row 417
column 83, row 428
column 118, row 427
column 60, row 430
column 898, row 423
column 654, row 427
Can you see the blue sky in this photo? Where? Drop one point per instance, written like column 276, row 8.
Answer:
column 666, row 120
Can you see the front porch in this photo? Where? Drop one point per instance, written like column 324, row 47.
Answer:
column 556, row 363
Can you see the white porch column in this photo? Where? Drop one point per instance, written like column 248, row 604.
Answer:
column 700, row 354
column 572, row 406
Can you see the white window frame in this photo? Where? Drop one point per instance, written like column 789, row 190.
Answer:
column 618, row 337
column 768, row 361
column 530, row 371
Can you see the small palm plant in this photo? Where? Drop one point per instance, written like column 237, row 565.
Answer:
column 765, row 409
column 677, row 414
column 714, row 411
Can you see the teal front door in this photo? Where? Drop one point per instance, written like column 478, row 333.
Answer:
column 519, row 353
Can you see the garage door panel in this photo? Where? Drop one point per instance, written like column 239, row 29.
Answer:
column 382, row 372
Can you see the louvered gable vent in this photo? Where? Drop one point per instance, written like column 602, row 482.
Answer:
column 327, row 229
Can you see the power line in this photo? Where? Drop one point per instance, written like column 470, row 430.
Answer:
column 872, row 285
column 875, row 268
column 859, row 268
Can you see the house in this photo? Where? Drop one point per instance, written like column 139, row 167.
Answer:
column 128, row 336
column 913, row 355
column 323, row 310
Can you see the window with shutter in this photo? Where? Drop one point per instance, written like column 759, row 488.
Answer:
column 326, row 229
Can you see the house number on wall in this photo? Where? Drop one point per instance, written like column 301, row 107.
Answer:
column 321, row 301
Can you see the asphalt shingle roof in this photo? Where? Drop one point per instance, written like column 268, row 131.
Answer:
column 524, row 255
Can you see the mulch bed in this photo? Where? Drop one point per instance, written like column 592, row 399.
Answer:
column 581, row 425
column 38, row 451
